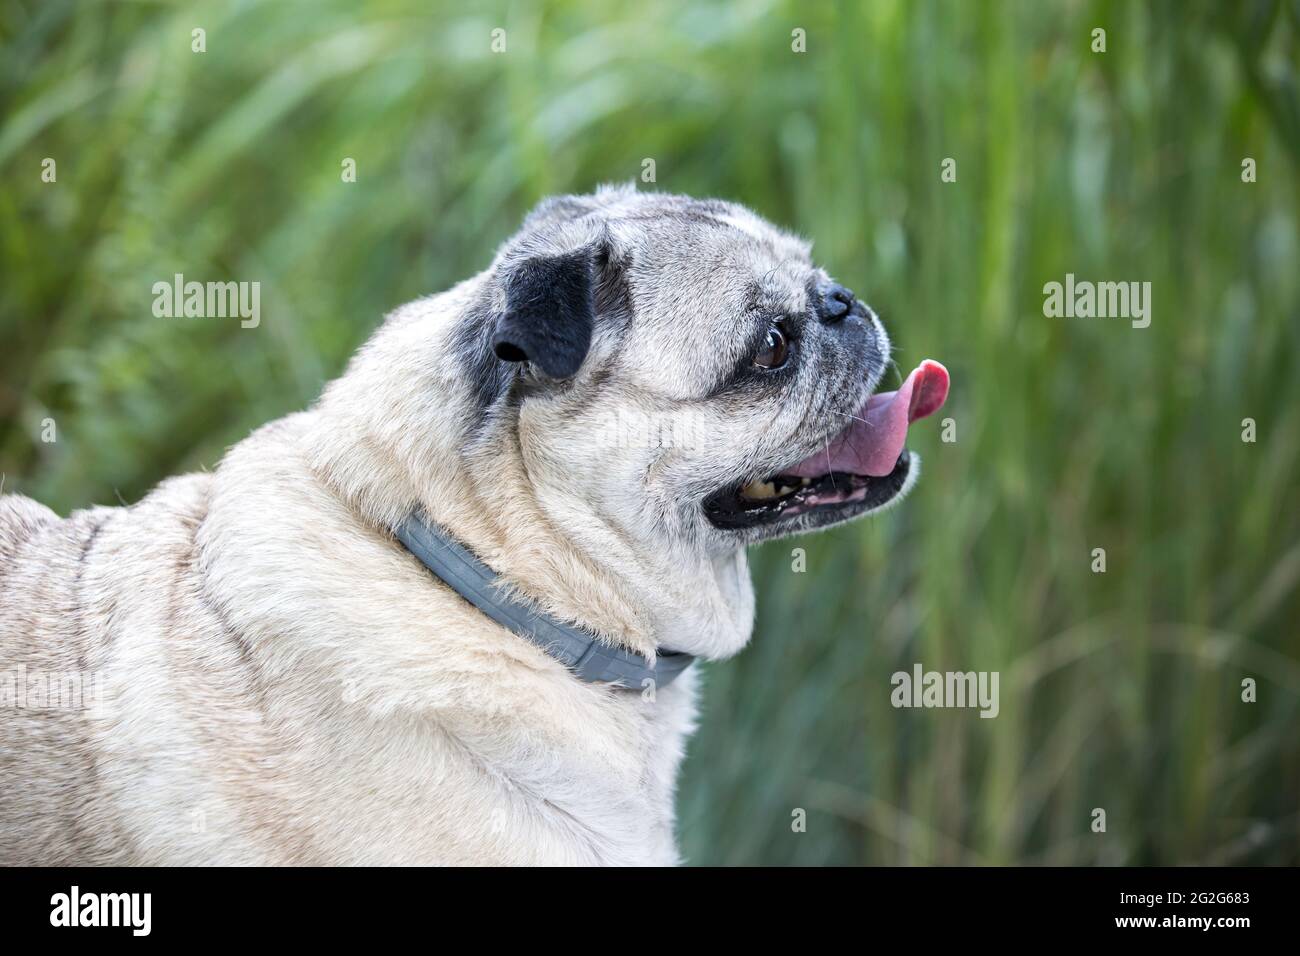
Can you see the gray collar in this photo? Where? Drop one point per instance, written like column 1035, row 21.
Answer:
column 582, row 652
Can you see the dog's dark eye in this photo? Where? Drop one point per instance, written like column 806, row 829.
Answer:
column 775, row 349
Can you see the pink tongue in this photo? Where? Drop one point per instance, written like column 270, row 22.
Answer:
column 874, row 439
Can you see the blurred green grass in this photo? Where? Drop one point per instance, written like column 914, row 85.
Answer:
column 1119, row 690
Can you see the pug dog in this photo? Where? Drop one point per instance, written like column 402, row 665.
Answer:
column 257, row 665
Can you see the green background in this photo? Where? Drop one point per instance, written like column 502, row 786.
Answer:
column 1119, row 691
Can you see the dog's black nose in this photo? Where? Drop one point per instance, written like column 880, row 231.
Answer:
column 836, row 302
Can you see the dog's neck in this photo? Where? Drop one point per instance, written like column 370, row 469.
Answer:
column 555, row 548
column 569, row 562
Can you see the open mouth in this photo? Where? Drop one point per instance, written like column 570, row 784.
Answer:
column 861, row 469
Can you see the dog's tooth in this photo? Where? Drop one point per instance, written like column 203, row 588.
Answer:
column 784, row 490
column 758, row 490
column 805, row 482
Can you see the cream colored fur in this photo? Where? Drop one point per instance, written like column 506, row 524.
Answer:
column 282, row 683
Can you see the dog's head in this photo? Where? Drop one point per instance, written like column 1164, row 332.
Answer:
column 638, row 386
column 686, row 368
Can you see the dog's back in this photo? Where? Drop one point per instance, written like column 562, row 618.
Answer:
column 46, row 759
column 112, row 668
column 20, row 519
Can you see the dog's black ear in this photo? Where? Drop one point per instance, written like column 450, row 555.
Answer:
column 549, row 312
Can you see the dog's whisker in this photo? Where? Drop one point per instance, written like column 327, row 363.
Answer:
column 827, row 445
column 857, row 419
